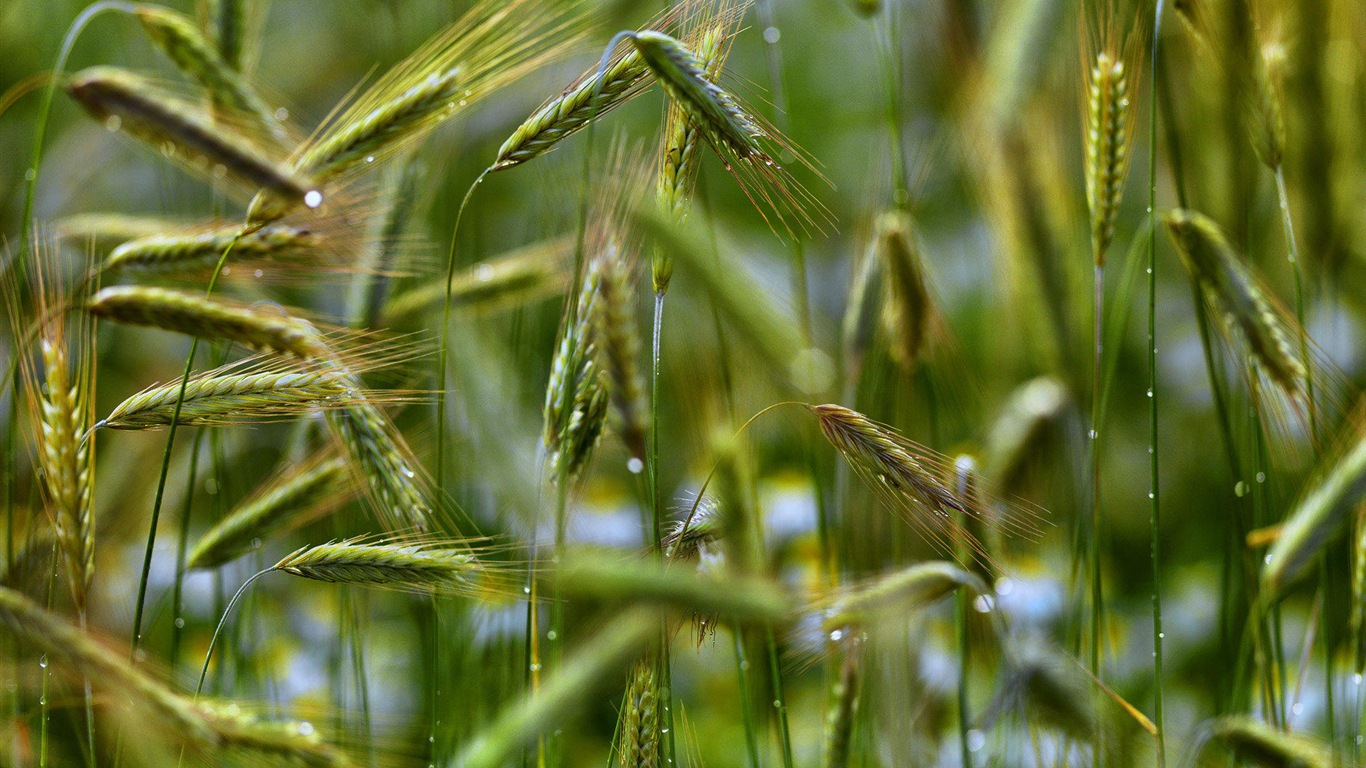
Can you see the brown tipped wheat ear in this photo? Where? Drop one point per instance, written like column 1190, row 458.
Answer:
column 909, row 312
column 576, row 400
column 132, row 103
column 185, row 44
column 639, row 726
column 202, row 250
column 680, row 154
column 1108, row 129
column 908, row 479
column 283, row 503
column 196, row 315
column 492, row 45
column 1240, row 305
column 406, row 567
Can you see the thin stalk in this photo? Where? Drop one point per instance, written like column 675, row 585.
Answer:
column 1097, row 596
column 1154, row 500
column 746, row 699
column 664, row 672
column 960, row 616
column 182, row 546
column 443, row 348
column 208, row 654
column 779, row 698
column 166, row 466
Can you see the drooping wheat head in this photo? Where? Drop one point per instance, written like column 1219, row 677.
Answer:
column 910, row 480
column 1261, row 744
column 639, row 728
column 181, row 131
column 1243, row 309
column 197, row 251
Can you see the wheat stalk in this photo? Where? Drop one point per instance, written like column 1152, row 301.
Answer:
column 196, row 315
column 128, row 101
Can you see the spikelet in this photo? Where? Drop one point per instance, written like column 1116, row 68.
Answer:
column 909, row 311
column 907, row 479
column 382, row 460
column 576, row 400
column 258, row 389
column 417, row 567
column 207, row 318
column 227, row 20
column 195, row 55
column 680, row 155
column 1260, row 744
column 695, row 537
column 60, row 398
column 180, row 130
column 1267, row 121
column 1108, row 127
column 201, row 250
column 589, row 97
column 1243, row 309
column 290, row 499
column 492, row 45
column 640, row 719
column 618, row 346
column 1325, row 507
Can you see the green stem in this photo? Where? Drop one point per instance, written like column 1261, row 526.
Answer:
column 746, row 698
column 779, row 698
column 443, row 348
column 1154, row 495
column 664, row 673
column 166, row 465
column 218, row 630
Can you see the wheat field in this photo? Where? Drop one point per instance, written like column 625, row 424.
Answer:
column 838, row 383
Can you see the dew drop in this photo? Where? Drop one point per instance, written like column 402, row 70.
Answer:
column 777, row 704
column 463, row 102
column 1004, row 586
column 1296, row 708
column 219, row 170
column 306, row 728
column 369, row 158
column 1161, row 635
column 526, row 590
column 42, row 661
column 313, row 198
column 772, row 35
column 408, row 473
column 1150, row 494
column 976, row 740
column 744, row 665
column 1356, row 679
column 282, row 114
column 552, row 635
column 1267, row 560
column 260, row 273
column 663, row 730
column 1150, row 393
column 113, row 123
column 1261, row 477
column 983, row 604
column 1240, row 489
column 635, row 466
column 30, row 175
column 179, row 623
column 835, row 635
column 485, row 273
column 535, row 667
